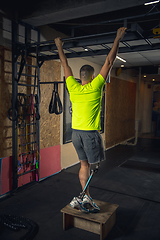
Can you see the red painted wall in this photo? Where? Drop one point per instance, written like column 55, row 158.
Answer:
column 50, row 163
column 6, row 175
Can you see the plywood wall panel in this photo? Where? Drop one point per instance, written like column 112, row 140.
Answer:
column 49, row 123
column 5, row 102
column 120, row 111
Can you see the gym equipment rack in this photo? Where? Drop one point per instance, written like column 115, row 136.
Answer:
column 25, row 105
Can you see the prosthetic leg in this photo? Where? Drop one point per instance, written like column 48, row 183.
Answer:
column 95, row 170
column 84, row 202
column 88, row 205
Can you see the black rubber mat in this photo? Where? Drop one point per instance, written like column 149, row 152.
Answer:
column 135, row 190
column 144, row 166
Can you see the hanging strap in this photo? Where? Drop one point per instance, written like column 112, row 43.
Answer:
column 38, row 95
column 55, row 105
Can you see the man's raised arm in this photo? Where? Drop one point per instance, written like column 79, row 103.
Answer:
column 62, row 56
column 112, row 54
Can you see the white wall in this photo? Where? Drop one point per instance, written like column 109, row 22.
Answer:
column 5, row 31
column 146, row 101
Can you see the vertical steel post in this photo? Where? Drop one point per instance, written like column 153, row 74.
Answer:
column 14, row 103
column 38, row 106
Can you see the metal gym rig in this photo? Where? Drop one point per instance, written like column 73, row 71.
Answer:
column 24, row 111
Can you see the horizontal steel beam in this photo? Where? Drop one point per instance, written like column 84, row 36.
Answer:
column 135, row 33
column 138, row 48
column 86, row 41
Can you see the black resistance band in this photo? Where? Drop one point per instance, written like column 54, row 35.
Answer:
column 55, row 105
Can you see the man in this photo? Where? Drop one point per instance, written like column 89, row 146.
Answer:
column 86, row 106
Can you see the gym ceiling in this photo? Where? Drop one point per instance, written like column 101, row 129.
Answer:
column 100, row 19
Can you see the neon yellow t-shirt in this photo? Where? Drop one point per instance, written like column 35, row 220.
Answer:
column 86, row 103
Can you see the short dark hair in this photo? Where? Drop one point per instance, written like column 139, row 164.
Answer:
column 86, row 72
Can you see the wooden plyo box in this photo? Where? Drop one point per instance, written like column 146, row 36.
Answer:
column 100, row 223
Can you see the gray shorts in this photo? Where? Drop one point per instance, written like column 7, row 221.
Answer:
column 88, row 145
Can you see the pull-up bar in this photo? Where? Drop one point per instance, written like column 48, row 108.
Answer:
column 81, row 41
column 74, row 38
column 52, row 82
